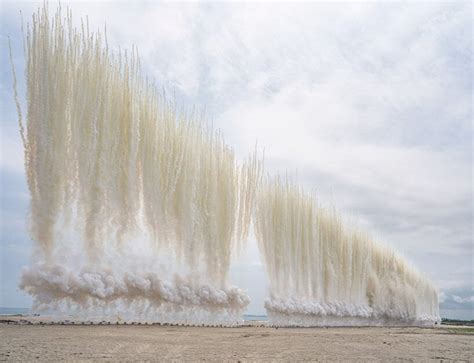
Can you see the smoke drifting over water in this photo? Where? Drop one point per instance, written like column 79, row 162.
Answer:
column 122, row 181
column 322, row 273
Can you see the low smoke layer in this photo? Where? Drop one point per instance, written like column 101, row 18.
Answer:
column 50, row 284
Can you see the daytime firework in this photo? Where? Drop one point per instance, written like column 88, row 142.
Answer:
column 133, row 202
column 137, row 207
column 323, row 273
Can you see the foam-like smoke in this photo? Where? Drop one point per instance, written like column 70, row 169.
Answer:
column 298, row 312
column 56, row 285
column 322, row 273
column 110, row 160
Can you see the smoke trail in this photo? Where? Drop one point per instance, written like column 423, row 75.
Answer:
column 322, row 273
column 108, row 160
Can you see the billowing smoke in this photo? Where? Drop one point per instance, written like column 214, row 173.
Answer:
column 134, row 294
column 323, row 273
column 118, row 175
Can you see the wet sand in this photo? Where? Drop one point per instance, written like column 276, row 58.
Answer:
column 20, row 341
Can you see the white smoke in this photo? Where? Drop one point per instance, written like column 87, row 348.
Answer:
column 53, row 286
column 109, row 161
column 323, row 273
column 293, row 306
column 300, row 312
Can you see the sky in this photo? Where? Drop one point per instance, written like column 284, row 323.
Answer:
column 369, row 104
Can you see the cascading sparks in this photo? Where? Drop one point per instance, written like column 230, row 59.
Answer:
column 322, row 273
column 121, row 180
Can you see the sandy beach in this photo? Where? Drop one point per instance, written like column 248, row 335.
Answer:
column 23, row 339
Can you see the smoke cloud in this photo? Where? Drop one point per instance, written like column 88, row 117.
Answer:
column 111, row 161
column 323, row 273
column 55, row 287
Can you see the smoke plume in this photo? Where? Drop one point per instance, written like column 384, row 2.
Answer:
column 323, row 273
column 111, row 162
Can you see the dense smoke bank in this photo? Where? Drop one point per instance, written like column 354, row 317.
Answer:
column 109, row 294
column 109, row 158
column 322, row 273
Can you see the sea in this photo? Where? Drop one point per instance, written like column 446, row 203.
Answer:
column 14, row 311
column 26, row 311
column 255, row 317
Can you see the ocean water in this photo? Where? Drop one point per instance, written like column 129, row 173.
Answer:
column 26, row 311
column 255, row 317
column 14, row 311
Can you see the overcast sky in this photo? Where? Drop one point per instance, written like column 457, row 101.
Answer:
column 370, row 104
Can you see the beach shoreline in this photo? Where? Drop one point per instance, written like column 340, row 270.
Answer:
column 24, row 338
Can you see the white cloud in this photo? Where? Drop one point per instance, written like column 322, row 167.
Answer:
column 460, row 300
column 442, row 297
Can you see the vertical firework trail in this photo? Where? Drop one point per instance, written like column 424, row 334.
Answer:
column 323, row 273
column 135, row 206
